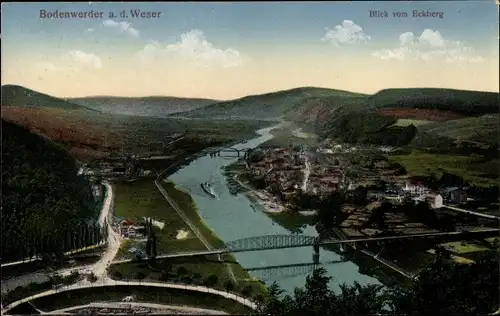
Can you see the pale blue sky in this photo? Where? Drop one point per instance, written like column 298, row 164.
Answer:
column 261, row 31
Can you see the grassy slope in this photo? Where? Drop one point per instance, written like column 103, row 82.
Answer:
column 266, row 106
column 482, row 129
column 20, row 96
column 148, row 106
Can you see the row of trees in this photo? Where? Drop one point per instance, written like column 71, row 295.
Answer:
column 444, row 288
column 60, row 241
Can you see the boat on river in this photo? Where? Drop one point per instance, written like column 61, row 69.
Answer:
column 207, row 187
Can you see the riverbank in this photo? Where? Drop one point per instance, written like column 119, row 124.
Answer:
column 266, row 201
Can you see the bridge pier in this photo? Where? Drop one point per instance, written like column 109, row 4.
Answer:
column 316, row 253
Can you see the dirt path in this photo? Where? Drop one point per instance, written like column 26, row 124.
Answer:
column 114, row 240
column 307, row 172
column 113, row 245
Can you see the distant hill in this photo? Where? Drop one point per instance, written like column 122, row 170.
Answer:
column 43, row 199
column 265, row 106
column 373, row 119
column 20, row 96
column 157, row 106
column 465, row 102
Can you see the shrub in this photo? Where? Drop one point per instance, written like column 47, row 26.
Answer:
column 116, row 275
column 91, row 278
column 164, row 277
column 228, row 285
column 139, row 275
column 182, row 271
column 247, row 290
column 211, row 280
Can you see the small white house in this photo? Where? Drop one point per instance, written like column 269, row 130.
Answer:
column 435, row 201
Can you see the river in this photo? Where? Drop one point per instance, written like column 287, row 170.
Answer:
column 232, row 217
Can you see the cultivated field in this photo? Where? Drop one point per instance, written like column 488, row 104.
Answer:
column 408, row 122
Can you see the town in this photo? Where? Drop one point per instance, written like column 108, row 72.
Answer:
column 378, row 199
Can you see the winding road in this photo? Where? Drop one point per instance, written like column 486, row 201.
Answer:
column 114, row 239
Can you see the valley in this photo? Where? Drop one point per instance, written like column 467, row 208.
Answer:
column 317, row 173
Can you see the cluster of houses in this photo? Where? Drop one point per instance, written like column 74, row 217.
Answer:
column 282, row 169
column 325, row 180
column 283, row 172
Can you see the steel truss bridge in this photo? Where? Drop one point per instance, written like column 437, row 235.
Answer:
column 288, row 270
column 269, row 242
column 229, row 152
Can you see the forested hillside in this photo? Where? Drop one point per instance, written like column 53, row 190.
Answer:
column 45, row 205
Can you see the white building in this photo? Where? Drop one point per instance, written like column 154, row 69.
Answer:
column 414, row 188
column 435, row 200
